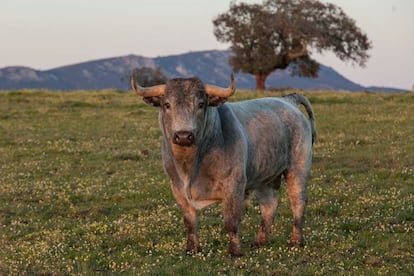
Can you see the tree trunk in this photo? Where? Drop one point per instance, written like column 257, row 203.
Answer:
column 260, row 81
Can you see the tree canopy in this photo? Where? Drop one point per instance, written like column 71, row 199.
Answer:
column 281, row 33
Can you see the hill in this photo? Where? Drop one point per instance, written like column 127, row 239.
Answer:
column 210, row 66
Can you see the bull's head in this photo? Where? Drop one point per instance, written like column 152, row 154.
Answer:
column 184, row 105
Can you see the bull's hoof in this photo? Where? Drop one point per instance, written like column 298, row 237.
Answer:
column 261, row 240
column 296, row 243
column 257, row 244
column 192, row 250
column 236, row 254
column 235, row 251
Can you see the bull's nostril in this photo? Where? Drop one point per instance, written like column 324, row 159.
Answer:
column 184, row 138
column 177, row 138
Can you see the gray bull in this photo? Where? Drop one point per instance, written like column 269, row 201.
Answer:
column 216, row 151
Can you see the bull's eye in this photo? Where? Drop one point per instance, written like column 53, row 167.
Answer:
column 167, row 105
column 200, row 105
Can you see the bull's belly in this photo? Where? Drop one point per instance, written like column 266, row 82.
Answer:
column 258, row 182
column 204, row 191
column 200, row 204
column 257, row 179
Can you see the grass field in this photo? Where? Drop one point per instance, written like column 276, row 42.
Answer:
column 82, row 191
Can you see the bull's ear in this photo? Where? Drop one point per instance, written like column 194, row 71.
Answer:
column 154, row 101
column 216, row 101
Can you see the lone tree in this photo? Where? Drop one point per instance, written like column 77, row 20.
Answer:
column 278, row 33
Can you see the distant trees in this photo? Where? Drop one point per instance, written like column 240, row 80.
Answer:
column 147, row 76
column 278, row 33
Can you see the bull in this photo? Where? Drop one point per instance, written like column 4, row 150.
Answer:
column 214, row 151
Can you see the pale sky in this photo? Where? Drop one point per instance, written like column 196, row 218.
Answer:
column 44, row 34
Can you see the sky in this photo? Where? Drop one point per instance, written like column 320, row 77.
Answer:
column 45, row 34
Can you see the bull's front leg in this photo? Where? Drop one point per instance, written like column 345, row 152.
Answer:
column 233, row 211
column 190, row 220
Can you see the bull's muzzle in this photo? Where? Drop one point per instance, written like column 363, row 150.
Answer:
column 184, row 138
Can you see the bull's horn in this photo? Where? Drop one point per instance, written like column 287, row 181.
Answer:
column 153, row 91
column 216, row 91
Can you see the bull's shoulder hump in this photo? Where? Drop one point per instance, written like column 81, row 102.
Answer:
column 261, row 101
column 262, row 104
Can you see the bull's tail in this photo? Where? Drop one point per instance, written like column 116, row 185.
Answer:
column 299, row 99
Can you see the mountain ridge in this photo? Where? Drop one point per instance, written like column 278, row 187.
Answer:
column 211, row 66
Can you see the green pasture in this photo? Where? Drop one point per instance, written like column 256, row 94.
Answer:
column 82, row 191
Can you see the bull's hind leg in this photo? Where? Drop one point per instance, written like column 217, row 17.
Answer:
column 268, row 202
column 296, row 187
